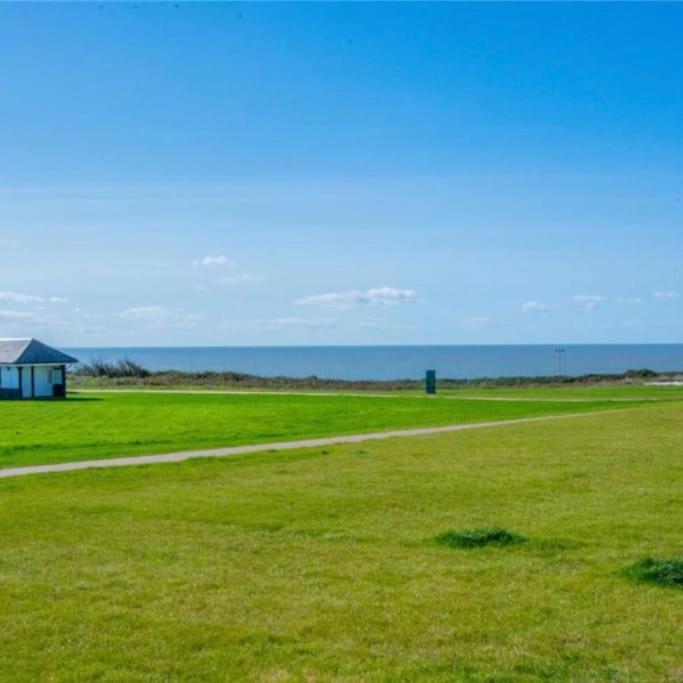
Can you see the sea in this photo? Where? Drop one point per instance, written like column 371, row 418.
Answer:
column 401, row 362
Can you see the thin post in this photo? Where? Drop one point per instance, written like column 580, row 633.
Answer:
column 559, row 351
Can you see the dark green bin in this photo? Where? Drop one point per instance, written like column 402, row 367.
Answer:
column 430, row 382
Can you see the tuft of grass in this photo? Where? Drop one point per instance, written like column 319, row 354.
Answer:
column 664, row 572
column 478, row 538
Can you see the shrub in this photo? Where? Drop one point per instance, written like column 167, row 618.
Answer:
column 645, row 373
column 665, row 572
column 122, row 368
column 127, row 372
column 477, row 538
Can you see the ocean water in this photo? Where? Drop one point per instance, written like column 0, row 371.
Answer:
column 401, row 362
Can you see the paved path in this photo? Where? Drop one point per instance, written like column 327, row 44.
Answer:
column 278, row 446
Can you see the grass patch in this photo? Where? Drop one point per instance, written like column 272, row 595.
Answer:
column 113, row 424
column 479, row 538
column 663, row 572
column 298, row 566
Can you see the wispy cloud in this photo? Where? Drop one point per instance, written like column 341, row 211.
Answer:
column 665, row 295
column 476, row 322
column 20, row 321
column 18, row 315
column 218, row 261
column 241, row 279
column 631, row 300
column 297, row 322
column 535, row 307
column 280, row 323
column 19, row 298
column 379, row 296
column 161, row 316
column 589, row 301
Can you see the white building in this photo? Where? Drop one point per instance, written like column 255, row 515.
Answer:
column 30, row 369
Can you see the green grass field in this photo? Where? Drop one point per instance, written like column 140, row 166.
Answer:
column 324, row 565
column 619, row 392
column 605, row 390
column 88, row 426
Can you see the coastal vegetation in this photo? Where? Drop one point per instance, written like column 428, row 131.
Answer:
column 121, row 369
column 126, row 373
column 322, row 565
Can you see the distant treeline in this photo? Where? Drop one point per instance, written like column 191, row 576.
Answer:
column 127, row 372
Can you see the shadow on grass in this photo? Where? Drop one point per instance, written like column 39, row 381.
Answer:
column 70, row 400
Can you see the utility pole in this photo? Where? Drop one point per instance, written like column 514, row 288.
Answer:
column 559, row 351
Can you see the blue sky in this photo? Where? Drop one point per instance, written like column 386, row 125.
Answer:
column 341, row 173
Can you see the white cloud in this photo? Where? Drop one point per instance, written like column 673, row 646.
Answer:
column 242, row 279
column 589, row 301
column 481, row 321
column 665, row 295
column 18, row 315
column 281, row 323
column 293, row 321
column 20, row 321
column 633, row 300
column 160, row 316
column 219, row 261
column 372, row 323
column 18, row 298
column 296, row 322
column 535, row 307
column 379, row 296
column 91, row 330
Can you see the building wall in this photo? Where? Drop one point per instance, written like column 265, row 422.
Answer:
column 43, row 381
column 9, row 383
column 9, row 378
column 45, row 378
column 26, row 382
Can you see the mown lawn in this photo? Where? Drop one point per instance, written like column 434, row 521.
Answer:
column 111, row 424
column 323, row 565
column 616, row 392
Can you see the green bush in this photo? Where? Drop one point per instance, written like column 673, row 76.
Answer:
column 122, row 368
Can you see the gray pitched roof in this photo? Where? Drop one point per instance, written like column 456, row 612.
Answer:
column 29, row 352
